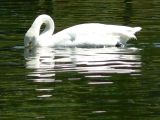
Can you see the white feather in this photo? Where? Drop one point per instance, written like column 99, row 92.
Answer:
column 79, row 35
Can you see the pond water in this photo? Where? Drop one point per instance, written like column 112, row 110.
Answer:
column 80, row 83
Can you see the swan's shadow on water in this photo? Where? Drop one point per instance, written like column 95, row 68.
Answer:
column 91, row 62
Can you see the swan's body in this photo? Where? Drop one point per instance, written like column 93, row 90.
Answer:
column 80, row 35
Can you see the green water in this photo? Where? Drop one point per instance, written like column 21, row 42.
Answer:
column 80, row 83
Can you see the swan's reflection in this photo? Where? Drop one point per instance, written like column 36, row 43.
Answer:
column 96, row 62
column 41, row 63
column 40, row 58
column 109, row 60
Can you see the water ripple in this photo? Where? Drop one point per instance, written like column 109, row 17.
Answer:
column 46, row 63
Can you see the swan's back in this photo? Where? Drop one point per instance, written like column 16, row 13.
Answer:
column 100, row 34
column 108, row 28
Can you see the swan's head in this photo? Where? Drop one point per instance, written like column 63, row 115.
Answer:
column 29, row 42
column 30, row 39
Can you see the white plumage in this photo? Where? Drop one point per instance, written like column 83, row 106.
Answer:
column 90, row 34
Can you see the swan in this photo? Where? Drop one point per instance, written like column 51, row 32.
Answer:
column 87, row 34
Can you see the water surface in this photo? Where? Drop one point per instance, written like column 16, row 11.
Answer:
column 80, row 83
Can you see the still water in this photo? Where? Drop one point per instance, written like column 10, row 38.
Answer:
column 80, row 83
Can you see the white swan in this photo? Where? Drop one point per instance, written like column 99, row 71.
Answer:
column 79, row 35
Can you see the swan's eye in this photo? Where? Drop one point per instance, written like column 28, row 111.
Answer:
column 30, row 44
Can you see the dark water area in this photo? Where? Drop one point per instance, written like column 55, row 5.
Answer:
column 80, row 83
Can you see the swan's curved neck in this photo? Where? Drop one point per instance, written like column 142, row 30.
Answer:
column 47, row 21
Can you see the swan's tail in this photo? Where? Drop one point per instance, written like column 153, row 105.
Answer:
column 136, row 29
